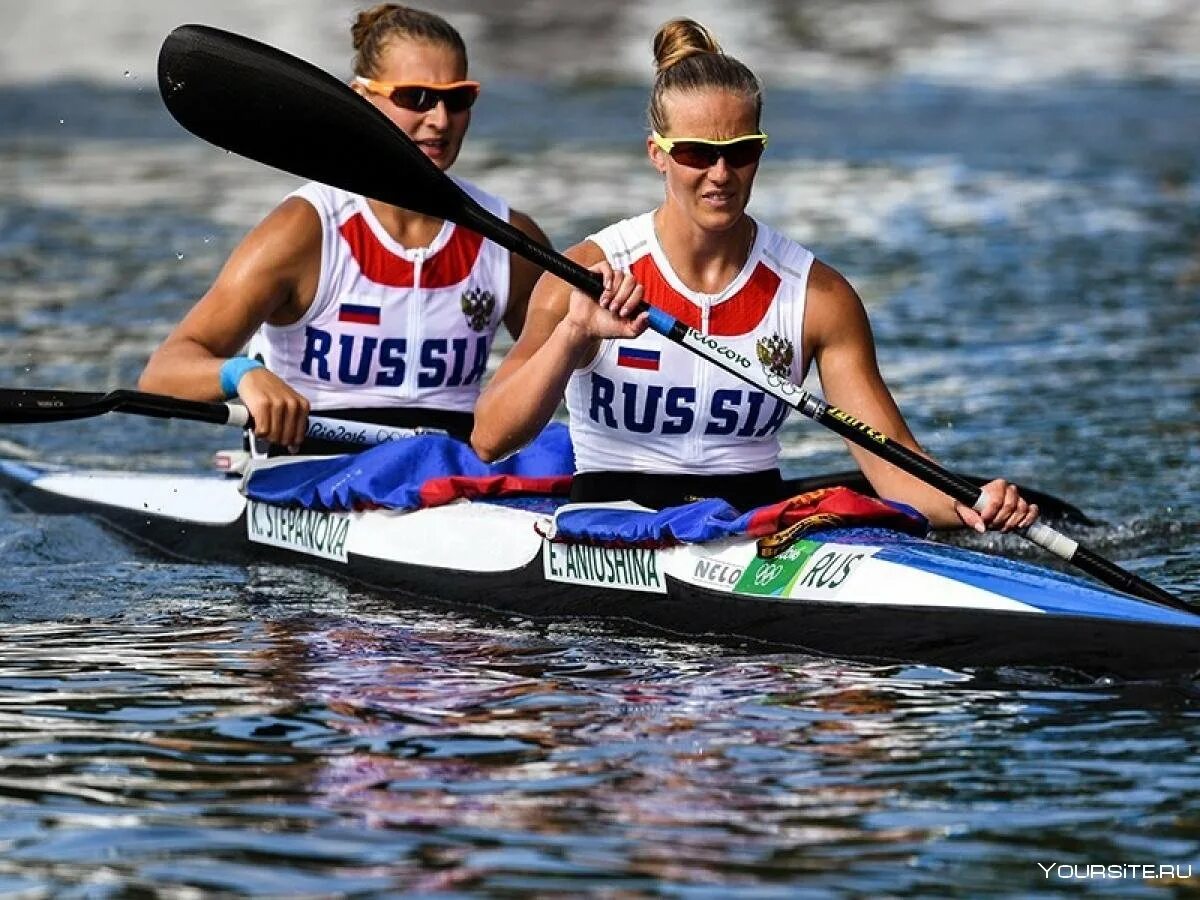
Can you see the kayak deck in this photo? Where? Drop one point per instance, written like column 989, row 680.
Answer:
column 859, row 593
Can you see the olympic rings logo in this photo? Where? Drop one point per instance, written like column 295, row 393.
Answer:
column 767, row 573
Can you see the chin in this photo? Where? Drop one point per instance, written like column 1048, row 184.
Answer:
column 442, row 162
column 721, row 220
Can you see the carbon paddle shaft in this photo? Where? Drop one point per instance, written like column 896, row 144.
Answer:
column 262, row 103
column 32, row 406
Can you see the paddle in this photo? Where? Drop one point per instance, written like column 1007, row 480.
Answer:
column 33, row 406
column 262, row 103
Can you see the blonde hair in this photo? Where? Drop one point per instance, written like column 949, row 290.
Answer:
column 373, row 28
column 688, row 58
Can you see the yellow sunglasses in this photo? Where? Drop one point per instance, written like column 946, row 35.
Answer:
column 701, row 153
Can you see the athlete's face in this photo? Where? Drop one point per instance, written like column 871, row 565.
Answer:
column 714, row 197
column 437, row 131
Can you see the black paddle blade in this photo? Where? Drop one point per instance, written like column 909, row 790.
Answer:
column 272, row 107
column 269, row 106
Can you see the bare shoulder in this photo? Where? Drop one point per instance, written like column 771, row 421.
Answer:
column 831, row 297
column 525, row 224
column 287, row 242
column 272, row 274
column 586, row 253
column 834, row 313
column 291, row 227
column 827, row 284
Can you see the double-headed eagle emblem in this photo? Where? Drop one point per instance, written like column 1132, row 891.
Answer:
column 477, row 306
column 776, row 354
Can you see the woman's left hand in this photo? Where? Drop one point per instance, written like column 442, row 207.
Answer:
column 1004, row 509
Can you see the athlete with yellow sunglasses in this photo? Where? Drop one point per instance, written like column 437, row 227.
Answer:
column 652, row 422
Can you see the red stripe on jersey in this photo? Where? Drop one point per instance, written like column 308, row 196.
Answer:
column 736, row 315
column 450, row 265
column 454, row 262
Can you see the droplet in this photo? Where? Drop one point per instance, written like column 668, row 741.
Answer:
column 128, row 73
column 62, row 121
column 179, row 254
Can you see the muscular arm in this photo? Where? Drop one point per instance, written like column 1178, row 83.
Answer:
column 523, row 275
column 839, row 340
column 562, row 331
column 271, row 277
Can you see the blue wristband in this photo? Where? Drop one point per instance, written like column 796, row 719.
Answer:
column 232, row 372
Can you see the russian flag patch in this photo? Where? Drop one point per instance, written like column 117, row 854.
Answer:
column 359, row 314
column 638, row 358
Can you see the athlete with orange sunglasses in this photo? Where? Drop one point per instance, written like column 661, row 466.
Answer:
column 353, row 307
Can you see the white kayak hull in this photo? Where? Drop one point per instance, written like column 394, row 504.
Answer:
column 862, row 593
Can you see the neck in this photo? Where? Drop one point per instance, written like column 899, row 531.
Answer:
column 705, row 261
column 409, row 229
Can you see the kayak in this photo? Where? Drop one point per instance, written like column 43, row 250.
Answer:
column 860, row 593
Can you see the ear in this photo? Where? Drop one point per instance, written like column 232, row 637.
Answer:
column 658, row 159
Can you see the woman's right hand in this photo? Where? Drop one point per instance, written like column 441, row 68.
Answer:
column 280, row 414
column 617, row 313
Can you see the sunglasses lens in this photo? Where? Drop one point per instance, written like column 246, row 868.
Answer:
column 421, row 99
column 459, row 99
column 414, row 99
column 695, row 155
column 743, row 153
column 698, row 155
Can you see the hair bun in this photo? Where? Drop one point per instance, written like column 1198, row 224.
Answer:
column 364, row 23
column 375, row 28
column 679, row 39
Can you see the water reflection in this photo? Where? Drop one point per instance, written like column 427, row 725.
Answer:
column 1025, row 241
column 413, row 753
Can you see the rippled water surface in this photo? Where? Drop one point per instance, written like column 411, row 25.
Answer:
column 1016, row 194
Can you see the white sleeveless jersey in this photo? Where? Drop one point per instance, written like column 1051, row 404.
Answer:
column 391, row 326
column 649, row 405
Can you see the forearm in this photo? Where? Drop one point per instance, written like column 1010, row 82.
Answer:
column 519, row 403
column 183, row 369
column 929, row 501
column 891, row 483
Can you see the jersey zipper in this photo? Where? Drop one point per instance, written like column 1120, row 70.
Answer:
column 415, row 334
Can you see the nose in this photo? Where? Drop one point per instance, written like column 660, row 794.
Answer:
column 720, row 170
column 439, row 116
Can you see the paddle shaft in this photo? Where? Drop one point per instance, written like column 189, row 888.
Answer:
column 34, row 406
column 255, row 100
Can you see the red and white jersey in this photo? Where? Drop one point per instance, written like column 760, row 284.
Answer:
column 389, row 325
column 649, row 405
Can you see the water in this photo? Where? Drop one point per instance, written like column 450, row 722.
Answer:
column 1015, row 193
